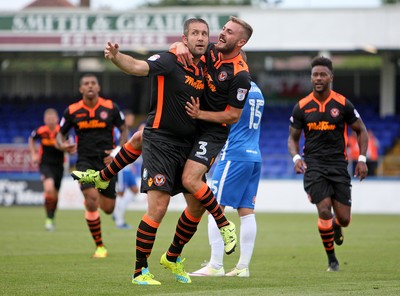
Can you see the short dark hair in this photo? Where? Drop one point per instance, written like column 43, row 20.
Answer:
column 322, row 61
column 87, row 75
column 127, row 112
column 192, row 21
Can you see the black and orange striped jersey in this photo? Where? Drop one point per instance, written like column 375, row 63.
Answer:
column 50, row 155
column 94, row 127
column 324, row 125
column 227, row 83
column 172, row 86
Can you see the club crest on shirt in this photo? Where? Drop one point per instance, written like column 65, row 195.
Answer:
column 241, row 94
column 159, row 180
column 222, row 76
column 334, row 112
column 103, row 115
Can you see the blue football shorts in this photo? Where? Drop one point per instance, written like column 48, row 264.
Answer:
column 235, row 183
column 126, row 179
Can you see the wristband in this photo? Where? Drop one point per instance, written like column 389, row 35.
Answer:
column 296, row 158
column 362, row 158
column 115, row 151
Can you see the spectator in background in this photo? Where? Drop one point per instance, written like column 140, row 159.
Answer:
column 93, row 118
column 50, row 160
column 372, row 154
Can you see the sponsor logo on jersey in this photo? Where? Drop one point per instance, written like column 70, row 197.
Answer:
column 94, row 123
column 222, row 76
column 310, row 110
column 241, row 94
column 334, row 112
column 356, row 113
column 49, row 142
column 195, row 83
column 150, row 182
column 159, row 180
column 321, row 126
column 210, row 82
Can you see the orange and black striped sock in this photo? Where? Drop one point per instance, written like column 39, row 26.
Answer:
column 185, row 229
column 208, row 200
column 94, row 223
column 326, row 231
column 125, row 156
column 145, row 237
column 50, row 205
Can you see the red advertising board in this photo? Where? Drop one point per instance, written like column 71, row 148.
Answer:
column 16, row 158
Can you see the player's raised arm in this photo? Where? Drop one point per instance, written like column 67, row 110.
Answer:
column 125, row 62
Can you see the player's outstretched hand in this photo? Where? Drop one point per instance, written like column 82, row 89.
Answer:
column 111, row 50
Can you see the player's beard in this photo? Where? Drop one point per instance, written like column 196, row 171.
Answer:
column 197, row 55
column 321, row 88
column 91, row 96
column 226, row 48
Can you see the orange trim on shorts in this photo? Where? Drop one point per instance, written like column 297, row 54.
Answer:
column 324, row 224
column 149, row 221
column 200, row 193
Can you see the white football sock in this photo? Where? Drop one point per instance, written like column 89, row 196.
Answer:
column 121, row 205
column 216, row 243
column 248, row 231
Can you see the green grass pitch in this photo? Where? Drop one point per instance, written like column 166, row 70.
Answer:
column 288, row 259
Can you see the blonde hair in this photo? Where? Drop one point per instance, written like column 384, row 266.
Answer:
column 248, row 30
